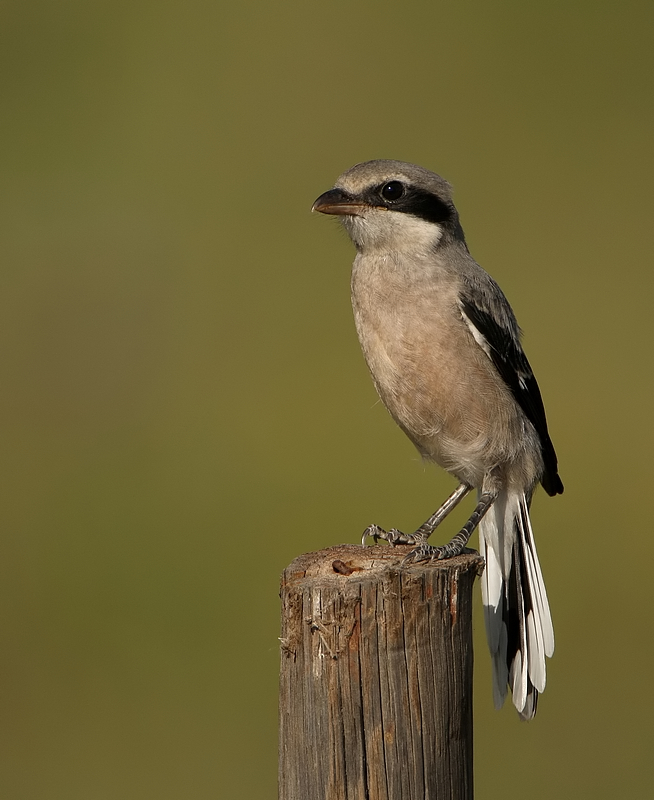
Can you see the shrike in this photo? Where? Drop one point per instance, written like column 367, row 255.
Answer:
column 443, row 347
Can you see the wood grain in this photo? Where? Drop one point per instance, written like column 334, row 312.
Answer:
column 376, row 676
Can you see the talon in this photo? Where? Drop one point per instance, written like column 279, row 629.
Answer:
column 393, row 536
column 374, row 532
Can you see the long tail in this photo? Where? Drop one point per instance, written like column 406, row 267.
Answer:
column 518, row 621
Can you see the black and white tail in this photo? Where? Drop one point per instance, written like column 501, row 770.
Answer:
column 518, row 621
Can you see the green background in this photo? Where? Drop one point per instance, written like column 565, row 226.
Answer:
column 184, row 405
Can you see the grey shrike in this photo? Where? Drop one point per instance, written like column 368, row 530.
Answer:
column 443, row 347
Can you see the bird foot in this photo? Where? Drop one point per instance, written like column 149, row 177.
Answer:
column 427, row 552
column 393, row 536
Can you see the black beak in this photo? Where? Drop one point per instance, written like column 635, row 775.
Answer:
column 338, row 202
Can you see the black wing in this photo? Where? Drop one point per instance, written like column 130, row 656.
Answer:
column 510, row 361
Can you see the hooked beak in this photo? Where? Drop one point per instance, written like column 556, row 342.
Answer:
column 337, row 202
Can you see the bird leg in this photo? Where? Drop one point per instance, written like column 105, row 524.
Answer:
column 424, row 551
column 420, row 536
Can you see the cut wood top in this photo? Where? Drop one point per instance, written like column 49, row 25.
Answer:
column 351, row 562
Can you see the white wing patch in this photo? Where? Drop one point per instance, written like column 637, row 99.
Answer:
column 476, row 333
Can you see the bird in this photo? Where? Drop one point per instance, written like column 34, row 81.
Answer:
column 444, row 350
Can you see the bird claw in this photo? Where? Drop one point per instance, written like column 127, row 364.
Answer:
column 393, row 536
column 377, row 533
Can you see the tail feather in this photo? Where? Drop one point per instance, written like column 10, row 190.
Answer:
column 518, row 620
column 496, row 633
column 536, row 581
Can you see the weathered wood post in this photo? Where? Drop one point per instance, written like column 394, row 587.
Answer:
column 376, row 677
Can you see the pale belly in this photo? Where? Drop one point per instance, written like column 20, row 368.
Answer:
column 439, row 385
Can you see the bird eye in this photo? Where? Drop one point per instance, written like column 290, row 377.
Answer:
column 392, row 190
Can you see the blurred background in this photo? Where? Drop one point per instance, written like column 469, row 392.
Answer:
column 184, row 405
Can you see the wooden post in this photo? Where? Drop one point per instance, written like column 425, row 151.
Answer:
column 376, row 677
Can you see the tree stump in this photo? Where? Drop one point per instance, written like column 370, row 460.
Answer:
column 376, row 676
